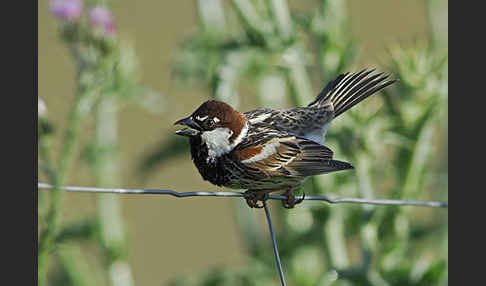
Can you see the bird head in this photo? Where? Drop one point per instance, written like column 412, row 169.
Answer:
column 219, row 125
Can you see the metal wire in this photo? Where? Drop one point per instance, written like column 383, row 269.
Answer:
column 274, row 243
column 240, row 194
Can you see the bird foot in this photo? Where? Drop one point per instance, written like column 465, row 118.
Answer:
column 290, row 202
column 253, row 197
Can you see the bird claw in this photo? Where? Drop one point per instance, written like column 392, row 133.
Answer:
column 253, row 197
column 290, row 202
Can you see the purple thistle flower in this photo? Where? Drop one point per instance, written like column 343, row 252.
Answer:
column 101, row 17
column 69, row 10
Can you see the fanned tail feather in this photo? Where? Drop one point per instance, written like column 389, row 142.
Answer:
column 341, row 165
column 349, row 89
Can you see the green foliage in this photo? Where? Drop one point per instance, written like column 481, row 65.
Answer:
column 106, row 76
column 44, row 127
column 84, row 229
column 397, row 143
column 390, row 143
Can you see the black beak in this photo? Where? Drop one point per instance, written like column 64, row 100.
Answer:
column 189, row 132
column 189, row 123
column 193, row 130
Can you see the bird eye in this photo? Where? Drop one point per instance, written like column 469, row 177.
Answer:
column 206, row 122
column 210, row 122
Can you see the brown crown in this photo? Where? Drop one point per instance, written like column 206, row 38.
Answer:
column 230, row 118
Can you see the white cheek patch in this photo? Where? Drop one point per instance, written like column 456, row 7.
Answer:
column 216, row 119
column 217, row 141
column 268, row 150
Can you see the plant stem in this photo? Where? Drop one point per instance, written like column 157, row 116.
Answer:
column 415, row 169
column 281, row 14
column 253, row 21
column 52, row 218
column 107, row 173
column 45, row 165
column 301, row 88
column 70, row 265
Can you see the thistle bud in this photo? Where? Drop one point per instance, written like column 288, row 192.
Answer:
column 68, row 10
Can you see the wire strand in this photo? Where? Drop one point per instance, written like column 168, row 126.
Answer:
column 240, row 194
column 274, row 243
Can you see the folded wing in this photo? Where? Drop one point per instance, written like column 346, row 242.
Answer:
column 289, row 157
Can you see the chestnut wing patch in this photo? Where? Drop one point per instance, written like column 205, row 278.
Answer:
column 290, row 157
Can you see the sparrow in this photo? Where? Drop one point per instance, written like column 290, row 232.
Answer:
column 267, row 150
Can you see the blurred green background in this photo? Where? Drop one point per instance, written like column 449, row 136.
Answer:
column 212, row 239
